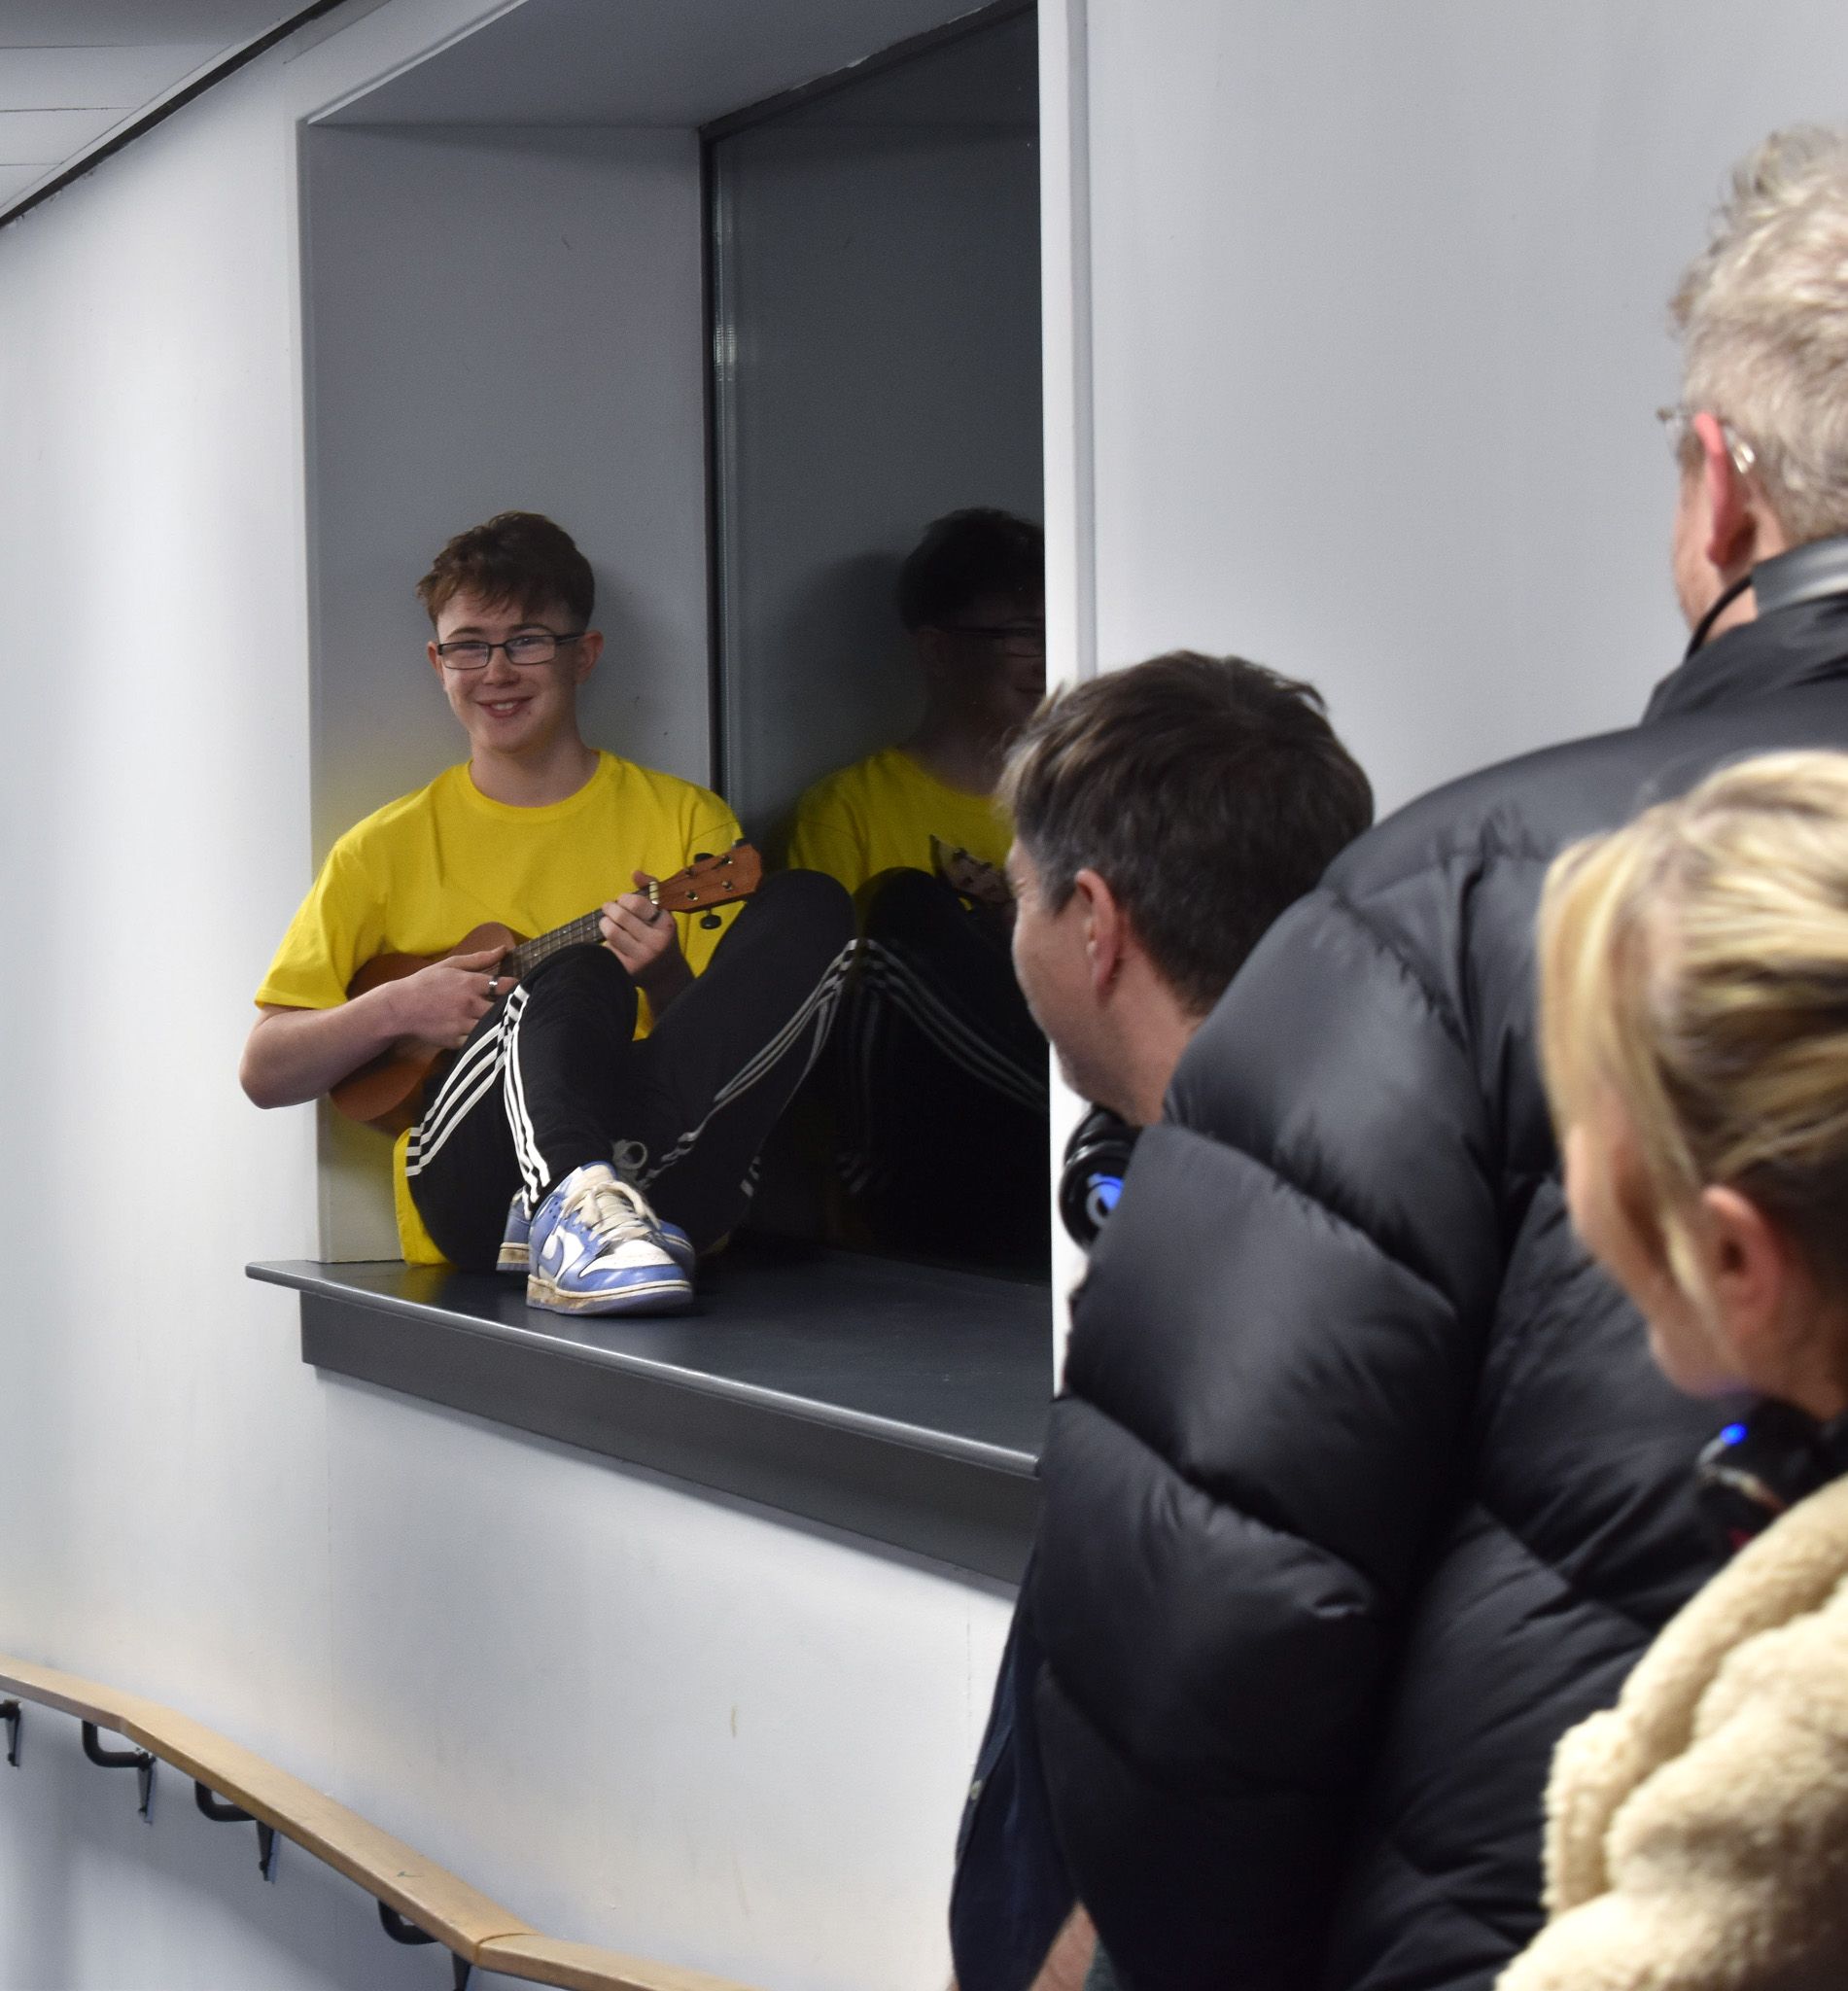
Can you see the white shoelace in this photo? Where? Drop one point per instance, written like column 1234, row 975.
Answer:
column 615, row 1214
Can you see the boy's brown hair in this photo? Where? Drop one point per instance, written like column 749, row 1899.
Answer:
column 965, row 555
column 519, row 558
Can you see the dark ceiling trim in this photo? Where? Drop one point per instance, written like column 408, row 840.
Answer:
column 974, row 21
column 178, row 101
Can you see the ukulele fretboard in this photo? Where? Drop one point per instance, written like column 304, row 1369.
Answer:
column 526, row 957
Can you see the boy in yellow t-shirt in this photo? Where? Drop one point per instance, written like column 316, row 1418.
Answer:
column 941, row 1073
column 593, row 1122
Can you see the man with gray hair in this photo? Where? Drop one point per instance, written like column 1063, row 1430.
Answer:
column 1362, row 1489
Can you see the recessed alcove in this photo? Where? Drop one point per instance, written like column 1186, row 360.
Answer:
column 505, row 281
column 509, row 283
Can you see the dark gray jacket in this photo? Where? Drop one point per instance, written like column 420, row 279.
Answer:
column 1362, row 1487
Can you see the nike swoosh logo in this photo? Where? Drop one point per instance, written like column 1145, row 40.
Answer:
column 565, row 1247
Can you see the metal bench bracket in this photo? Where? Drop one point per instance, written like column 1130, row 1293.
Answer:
column 225, row 1813
column 136, row 1760
column 400, row 1931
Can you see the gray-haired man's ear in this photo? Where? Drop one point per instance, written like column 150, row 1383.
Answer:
column 1742, row 528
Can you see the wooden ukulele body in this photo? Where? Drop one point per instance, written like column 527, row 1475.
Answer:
column 387, row 1091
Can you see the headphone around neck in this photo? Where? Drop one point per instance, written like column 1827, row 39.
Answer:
column 1097, row 1156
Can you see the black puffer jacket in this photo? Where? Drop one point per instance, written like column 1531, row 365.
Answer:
column 1362, row 1487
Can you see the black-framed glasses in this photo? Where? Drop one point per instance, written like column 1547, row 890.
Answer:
column 1014, row 639
column 530, row 647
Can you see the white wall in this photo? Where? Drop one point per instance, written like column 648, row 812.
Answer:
column 348, row 1583
column 1380, row 321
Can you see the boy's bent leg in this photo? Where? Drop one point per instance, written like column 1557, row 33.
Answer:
column 524, row 1103
column 569, row 1064
column 939, row 1077
column 725, row 1059
column 460, row 1166
column 947, row 969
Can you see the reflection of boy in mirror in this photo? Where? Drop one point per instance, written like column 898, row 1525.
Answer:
column 593, row 1123
column 971, row 597
column 939, row 1073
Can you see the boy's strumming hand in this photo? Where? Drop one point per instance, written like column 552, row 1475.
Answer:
column 642, row 937
column 440, row 1004
column 293, row 1055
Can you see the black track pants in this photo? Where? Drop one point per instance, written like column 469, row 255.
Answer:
column 938, row 1078
column 553, row 1078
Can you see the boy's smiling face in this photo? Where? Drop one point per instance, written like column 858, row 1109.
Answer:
column 512, row 711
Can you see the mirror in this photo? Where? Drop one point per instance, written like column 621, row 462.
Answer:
column 878, row 483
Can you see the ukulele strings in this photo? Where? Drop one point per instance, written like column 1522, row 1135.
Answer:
column 574, row 933
column 530, row 952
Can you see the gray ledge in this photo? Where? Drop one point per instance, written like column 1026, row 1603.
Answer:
column 896, row 1401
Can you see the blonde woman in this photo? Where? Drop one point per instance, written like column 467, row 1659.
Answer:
column 1694, row 1031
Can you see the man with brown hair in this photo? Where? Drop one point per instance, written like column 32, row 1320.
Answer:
column 595, row 1122
column 1164, row 815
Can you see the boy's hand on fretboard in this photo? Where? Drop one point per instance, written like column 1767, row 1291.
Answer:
column 644, row 938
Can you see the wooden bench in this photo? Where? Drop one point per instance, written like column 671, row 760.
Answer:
column 477, row 1931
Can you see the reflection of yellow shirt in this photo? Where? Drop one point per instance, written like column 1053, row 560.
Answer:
column 418, row 874
column 882, row 812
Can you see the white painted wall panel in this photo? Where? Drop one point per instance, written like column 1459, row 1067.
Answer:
column 741, row 1741
column 1380, row 321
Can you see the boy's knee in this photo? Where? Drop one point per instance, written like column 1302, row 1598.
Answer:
column 909, row 904
column 811, row 904
column 588, row 966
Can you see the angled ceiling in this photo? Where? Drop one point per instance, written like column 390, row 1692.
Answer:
column 74, row 71
column 668, row 62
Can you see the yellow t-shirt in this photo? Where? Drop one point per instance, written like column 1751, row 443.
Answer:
column 882, row 812
column 418, row 874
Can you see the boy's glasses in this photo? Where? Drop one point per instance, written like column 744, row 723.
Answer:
column 534, row 646
column 1012, row 639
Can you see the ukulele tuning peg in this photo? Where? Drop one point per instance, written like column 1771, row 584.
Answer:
column 702, row 857
column 711, row 919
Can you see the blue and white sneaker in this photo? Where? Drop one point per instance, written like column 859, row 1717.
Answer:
column 516, row 1249
column 595, row 1246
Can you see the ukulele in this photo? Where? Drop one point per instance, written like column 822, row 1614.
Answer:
column 387, row 1091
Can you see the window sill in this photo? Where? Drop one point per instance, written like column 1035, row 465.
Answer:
column 896, row 1401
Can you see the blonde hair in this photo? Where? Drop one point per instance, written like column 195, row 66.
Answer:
column 1763, row 314
column 1695, row 965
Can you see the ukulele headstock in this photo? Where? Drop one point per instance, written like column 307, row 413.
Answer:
column 711, row 880
column 975, row 879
